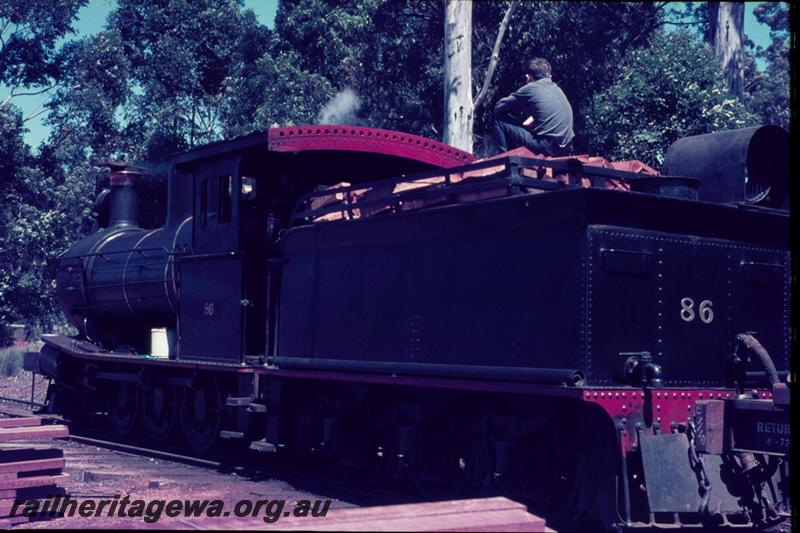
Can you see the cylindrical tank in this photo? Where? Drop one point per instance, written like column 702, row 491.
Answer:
column 121, row 281
column 749, row 165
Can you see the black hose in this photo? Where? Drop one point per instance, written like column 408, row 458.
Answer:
column 748, row 461
column 752, row 344
column 770, row 466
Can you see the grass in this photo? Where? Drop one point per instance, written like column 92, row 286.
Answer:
column 11, row 359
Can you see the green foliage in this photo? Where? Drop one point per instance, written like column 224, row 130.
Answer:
column 30, row 31
column 6, row 335
column 668, row 90
column 331, row 35
column 42, row 211
column 769, row 94
column 156, row 80
column 39, row 209
column 13, row 151
column 276, row 90
column 388, row 52
column 43, row 216
column 183, row 57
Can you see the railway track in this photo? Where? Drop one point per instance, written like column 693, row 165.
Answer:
column 255, row 468
column 248, row 468
column 101, row 466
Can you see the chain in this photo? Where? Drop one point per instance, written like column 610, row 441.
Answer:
column 698, row 467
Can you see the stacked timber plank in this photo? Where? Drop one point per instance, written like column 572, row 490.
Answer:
column 28, row 470
column 477, row 514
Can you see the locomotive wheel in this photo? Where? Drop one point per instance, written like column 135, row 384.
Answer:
column 124, row 407
column 160, row 412
column 572, row 488
column 365, row 459
column 201, row 414
column 448, row 470
column 584, row 463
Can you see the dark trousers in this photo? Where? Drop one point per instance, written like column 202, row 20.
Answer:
column 508, row 136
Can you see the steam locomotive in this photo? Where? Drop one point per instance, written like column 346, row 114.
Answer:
column 607, row 345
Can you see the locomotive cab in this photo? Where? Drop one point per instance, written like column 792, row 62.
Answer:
column 243, row 192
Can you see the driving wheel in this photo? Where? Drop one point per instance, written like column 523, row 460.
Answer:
column 160, row 411
column 201, row 414
column 124, row 407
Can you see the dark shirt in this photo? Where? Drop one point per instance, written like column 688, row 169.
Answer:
column 546, row 103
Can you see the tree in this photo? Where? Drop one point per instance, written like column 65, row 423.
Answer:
column 41, row 214
column 768, row 92
column 671, row 89
column 391, row 52
column 495, row 57
column 599, row 36
column 727, row 30
column 458, row 74
column 13, row 154
column 765, row 93
column 276, row 90
column 31, row 224
column 183, row 57
column 156, row 80
column 459, row 110
column 29, row 33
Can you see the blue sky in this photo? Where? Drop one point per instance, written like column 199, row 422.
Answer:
column 92, row 17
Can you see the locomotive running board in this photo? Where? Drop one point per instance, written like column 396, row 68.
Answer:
column 85, row 350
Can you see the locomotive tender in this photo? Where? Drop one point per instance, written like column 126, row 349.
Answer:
column 471, row 326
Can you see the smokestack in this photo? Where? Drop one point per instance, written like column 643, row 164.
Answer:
column 123, row 200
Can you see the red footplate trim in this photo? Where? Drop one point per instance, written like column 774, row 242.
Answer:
column 649, row 409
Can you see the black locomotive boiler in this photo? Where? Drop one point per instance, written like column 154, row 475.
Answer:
column 387, row 306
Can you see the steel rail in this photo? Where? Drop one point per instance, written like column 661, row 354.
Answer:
column 17, row 400
column 246, row 467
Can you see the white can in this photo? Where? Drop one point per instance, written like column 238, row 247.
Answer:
column 162, row 342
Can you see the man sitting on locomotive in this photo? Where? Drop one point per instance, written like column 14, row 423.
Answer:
column 547, row 128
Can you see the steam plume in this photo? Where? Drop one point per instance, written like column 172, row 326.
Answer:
column 342, row 109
